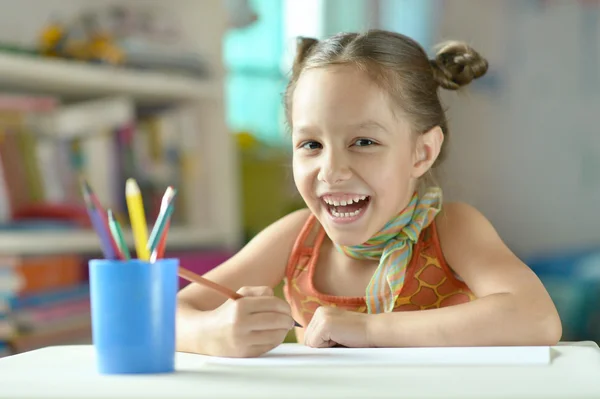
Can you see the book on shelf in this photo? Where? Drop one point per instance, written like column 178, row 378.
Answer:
column 39, row 273
column 10, row 285
column 50, row 305
column 46, row 146
column 4, row 349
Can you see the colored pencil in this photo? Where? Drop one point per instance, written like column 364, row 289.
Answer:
column 137, row 216
column 100, row 225
column 117, row 234
column 159, row 227
column 195, row 278
column 92, row 194
column 94, row 200
column 160, row 249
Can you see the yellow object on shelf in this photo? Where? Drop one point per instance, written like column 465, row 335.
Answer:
column 246, row 140
column 56, row 41
column 268, row 191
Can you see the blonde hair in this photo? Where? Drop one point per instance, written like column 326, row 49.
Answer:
column 400, row 66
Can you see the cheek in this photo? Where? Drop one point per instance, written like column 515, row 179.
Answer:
column 302, row 175
column 391, row 178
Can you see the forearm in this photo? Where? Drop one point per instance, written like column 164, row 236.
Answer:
column 192, row 329
column 499, row 319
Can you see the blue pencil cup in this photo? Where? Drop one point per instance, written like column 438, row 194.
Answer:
column 133, row 315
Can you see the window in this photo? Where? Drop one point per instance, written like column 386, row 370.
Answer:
column 258, row 57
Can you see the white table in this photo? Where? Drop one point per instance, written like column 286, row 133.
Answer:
column 70, row 372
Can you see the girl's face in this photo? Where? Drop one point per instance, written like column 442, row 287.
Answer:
column 355, row 162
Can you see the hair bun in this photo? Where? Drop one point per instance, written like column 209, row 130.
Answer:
column 456, row 64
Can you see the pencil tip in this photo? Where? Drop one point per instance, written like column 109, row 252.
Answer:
column 84, row 184
column 88, row 200
column 131, row 187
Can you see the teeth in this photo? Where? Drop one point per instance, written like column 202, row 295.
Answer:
column 350, row 201
column 344, row 214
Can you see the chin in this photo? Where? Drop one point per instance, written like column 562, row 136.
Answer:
column 347, row 239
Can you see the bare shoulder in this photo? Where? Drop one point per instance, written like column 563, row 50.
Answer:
column 464, row 229
column 473, row 248
column 261, row 262
column 459, row 219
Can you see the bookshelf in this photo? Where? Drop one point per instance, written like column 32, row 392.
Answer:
column 48, row 242
column 23, row 73
column 217, row 224
column 77, row 79
column 121, row 121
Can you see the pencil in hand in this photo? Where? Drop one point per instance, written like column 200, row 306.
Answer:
column 195, row 278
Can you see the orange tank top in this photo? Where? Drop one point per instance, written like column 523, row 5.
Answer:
column 429, row 281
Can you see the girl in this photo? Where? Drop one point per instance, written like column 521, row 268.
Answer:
column 375, row 260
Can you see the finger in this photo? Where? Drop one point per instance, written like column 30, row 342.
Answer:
column 256, row 291
column 270, row 321
column 316, row 340
column 317, row 334
column 309, row 331
column 327, row 344
column 259, row 304
column 267, row 337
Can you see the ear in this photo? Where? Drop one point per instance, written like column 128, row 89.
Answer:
column 427, row 149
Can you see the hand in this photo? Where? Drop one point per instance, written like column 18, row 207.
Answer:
column 251, row 326
column 337, row 327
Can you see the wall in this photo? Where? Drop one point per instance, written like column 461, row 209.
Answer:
column 525, row 145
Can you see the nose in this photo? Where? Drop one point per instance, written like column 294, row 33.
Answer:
column 334, row 168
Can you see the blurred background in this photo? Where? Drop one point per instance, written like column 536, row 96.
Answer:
column 188, row 93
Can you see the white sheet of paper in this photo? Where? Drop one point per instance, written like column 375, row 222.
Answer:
column 289, row 355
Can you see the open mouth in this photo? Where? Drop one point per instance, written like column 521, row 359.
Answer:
column 346, row 208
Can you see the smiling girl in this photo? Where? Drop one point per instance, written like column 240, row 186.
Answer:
column 377, row 259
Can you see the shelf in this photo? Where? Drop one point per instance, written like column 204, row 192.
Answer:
column 44, row 242
column 78, row 79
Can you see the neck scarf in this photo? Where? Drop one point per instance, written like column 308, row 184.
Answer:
column 392, row 246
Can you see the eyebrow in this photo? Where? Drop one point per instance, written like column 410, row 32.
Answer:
column 368, row 125
column 303, row 131
column 364, row 125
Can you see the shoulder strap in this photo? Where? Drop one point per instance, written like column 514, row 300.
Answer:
column 309, row 239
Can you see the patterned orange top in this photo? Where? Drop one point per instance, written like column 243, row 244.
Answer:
column 429, row 281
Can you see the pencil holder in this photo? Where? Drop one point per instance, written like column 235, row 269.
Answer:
column 133, row 315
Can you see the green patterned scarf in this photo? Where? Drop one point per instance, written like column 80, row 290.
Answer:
column 392, row 246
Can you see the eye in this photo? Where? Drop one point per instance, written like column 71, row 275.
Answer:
column 310, row 145
column 364, row 142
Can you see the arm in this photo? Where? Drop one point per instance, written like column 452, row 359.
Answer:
column 513, row 307
column 260, row 265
